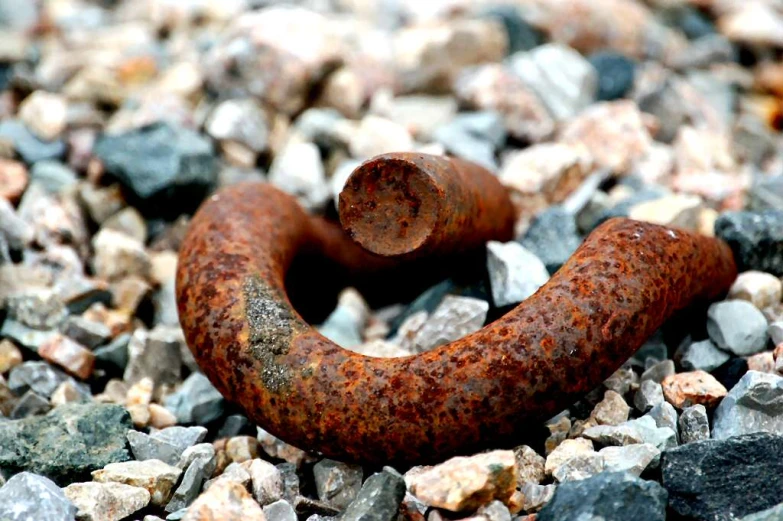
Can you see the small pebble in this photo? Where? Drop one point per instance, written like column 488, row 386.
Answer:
column 737, row 326
column 665, row 415
column 242, row 448
column 695, row 387
column 615, row 74
column 552, row 237
column 565, row 451
column 337, row 483
column 659, row 371
column 166, row 445
column 759, row 288
column 157, row 477
column 701, row 356
column 196, row 401
column 536, row 496
column 10, row 356
column 200, row 466
column 514, row 272
column 27, row 496
column 612, row 410
column 106, row 501
column 530, row 465
column 579, row 467
column 634, row 458
column 466, row 483
column 227, row 501
column 453, row 319
column 755, row 239
column 70, row 355
column 609, row 435
column 661, row 437
column 648, row 396
column 694, row 424
column 268, row 482
column 379, row 498
column 751, row 406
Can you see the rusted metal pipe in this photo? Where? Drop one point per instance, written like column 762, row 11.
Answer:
column 409, row 204
column 483, row 390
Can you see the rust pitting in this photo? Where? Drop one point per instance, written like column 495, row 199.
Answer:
column 483, row 390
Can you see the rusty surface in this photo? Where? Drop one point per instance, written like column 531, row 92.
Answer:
column 409, row 204
column 484, row 390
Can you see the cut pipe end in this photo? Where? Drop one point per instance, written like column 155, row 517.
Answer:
column 390, row 206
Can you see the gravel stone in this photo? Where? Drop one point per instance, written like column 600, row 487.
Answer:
column 685, row 389
column 106, row 501
column 29, row 147
column 155, row 354
column 53, row 176
column 695, row 476
column 659, row 371
column 701, row 356
column 514, row 272
column 280, row 510
column 560, row 76
column 337, row 483
column 454, row 318
column 27, row 496
column 68, row 354
column 36, row 376
column 598, row 497
column 297, row 170
column 30, row 404
column 89, row 333
column 196, row 401
column 579, row 467
column 66, row 444
column 166, row 445
column 166, row 168
column 665, row 415
column 737, row 326
column 198, row 470
column 755, row 404
column 649, row 395
column 756, row 238
column 634, row 459
column 615, row 74
column 552, row 237
column 612, row 410
column 156, row 477
column 661, row 437
column 759, row 288
column 227, row 501
column 379, row 498
column 465, row 483
column 530, row 465
column 268, row 482
column 694, row 424
column 613, row 434
column 242, row 121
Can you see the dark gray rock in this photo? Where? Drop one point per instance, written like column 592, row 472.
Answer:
column 755, row 404
column 26, row 336
column 756, row 238
column 665, row 415
column 166, row 445
column 521, row 35
column 689, row 20
column 29, row 147
column 552, row 237
column 724, row 479
column 114, row 356
column 166, row 169
column 472, row 139
column 234, row 425
column 649, row 395
column 379, row 499
column 30, row 404
column 89, row 333
column 66, row 444
column 616, row 74
column 658, row 371
column 694, row 424
column 196, row 401
column 198, row 470
column 737, row 326
column 610, row 496
column 28, row 497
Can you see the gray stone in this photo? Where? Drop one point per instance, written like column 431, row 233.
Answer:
column 196, row 401
column 466, row 146
column 755, row 404
column 775, row 331
column 562, row 78
column 321, row 126
column 115, row 354
column 36, row 376
column 30, row 404
column 658, row 371
column 771, row 514
column 155, row 354
column 579, row 467
column 665, row 415
column 337, row 483
column 514, row 272
column 345, row 325
column 66, row 444
column 694, row 424
column 199, row 469
column 89, row 333
column 268, row 484
column 737, row 326
column 634, row 459
column 280, row 510
column 704, row 356
column 756, row 238
column 29, row 147
column 454, row 318
column 53, row 176
column 379, row 498
column 27, row 497
column 613, row 434
column 297, row 169
column 17, row 232
column 597, row 497
column 26, row 336
column 552, row 237
column 724, row 479
column 240, row 120
column 649, row 395
column 166, row 445
column 205, row 451
column 37, row 308
column 166, row 168
column 660, row 437
column 536, row 496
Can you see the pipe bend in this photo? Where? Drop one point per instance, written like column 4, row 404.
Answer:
column 480, row 391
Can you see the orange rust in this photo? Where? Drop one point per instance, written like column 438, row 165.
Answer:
column 410, row 204
column 485, row 390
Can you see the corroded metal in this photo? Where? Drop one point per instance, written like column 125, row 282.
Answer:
column 484, row 390
column 410, row 204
